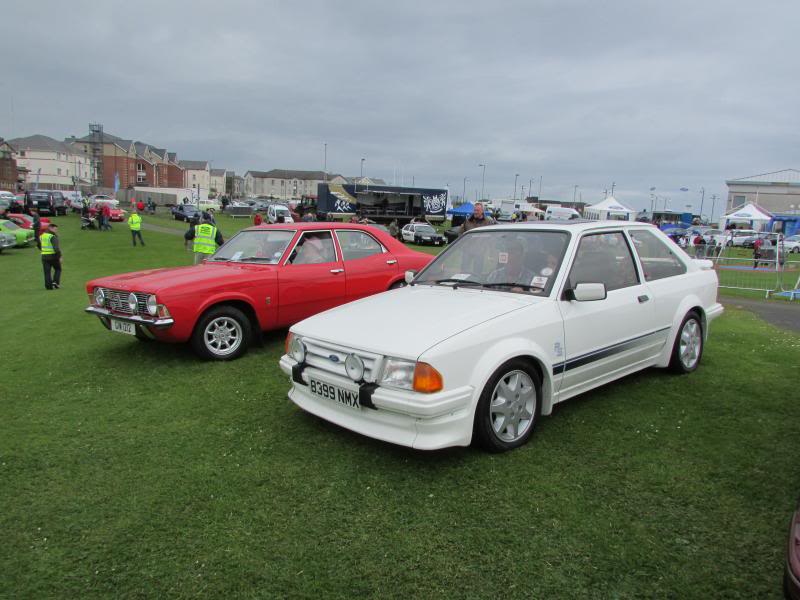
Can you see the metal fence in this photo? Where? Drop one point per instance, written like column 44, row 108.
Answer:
column 769, row 273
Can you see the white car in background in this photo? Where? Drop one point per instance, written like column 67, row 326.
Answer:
column 113, row 202
column 276, row 210
column 792, row 244
column 737, row 237
column 507, row 322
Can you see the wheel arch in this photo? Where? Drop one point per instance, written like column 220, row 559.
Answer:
column 689, row 304
column 495, row 358
column 239, row 303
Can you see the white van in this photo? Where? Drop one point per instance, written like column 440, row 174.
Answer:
column 276, row 210
column 560, row 213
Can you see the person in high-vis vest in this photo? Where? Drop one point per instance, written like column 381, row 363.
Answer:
column 205, row 238
column 135, row 223
column 51, row 257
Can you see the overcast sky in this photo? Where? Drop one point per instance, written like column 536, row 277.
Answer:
column 644, row 94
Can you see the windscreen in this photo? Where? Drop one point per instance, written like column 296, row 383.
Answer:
column 514, row 261
column 263, row 246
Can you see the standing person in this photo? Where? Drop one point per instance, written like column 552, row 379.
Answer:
column 756, row 251
column 257, row 220
column 478, row 219
column 51, row 257
column 140, row 206
column 105, row 211
column 37, row 223
column 206, row 239
column 135, row 223
column 394, row 230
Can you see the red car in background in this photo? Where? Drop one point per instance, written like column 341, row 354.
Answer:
column 263, row 278
column 117, row 214
column 26, row 221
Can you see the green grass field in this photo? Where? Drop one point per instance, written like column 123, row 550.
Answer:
column 130, row 469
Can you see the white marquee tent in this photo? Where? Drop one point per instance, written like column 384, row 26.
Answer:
column 610, row 208
column 750, row 213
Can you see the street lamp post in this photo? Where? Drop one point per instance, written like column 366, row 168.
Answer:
column 574, row 193
column 516, row 175
column 464, row 193
column 530, row 186
column 702, row 199
column 713, row 206
column 483, row 178
column 325, row 165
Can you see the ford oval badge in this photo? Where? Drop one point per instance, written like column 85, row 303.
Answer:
column 334, row 358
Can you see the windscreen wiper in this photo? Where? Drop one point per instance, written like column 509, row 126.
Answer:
column 511, row 284
column 254, row 258
column 457, row 282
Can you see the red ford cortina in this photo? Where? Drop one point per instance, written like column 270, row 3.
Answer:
column 263, row 278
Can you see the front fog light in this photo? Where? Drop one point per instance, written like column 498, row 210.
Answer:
column 298, row 349
column 354, row 367
column 99, row 297
column 152, row 305
column 133, row 303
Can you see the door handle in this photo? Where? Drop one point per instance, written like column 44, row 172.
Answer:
column 391, row 262
column 337, row 270
column 643, row 298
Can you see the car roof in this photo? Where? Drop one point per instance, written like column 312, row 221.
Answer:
column 576, row 225
column 311, row 225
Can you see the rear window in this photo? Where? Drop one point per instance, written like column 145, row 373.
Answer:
column 657, row 258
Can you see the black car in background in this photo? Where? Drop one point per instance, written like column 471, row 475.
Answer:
column 47, row 202
column 186, row 212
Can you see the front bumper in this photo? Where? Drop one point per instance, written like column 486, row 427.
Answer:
column 139, row 320
column 422, row 421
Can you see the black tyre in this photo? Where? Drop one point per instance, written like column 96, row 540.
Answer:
column 508, row 407
column 223, row 333
column 688, row 348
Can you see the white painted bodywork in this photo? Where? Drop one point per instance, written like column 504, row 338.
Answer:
column 468, row 333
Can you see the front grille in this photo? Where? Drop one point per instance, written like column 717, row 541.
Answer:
column 117, row 301
column 318, row 354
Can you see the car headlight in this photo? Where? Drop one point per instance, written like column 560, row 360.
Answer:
column 99, row 297
column 398, row 373
column 354, row 367
column 297, row 349
column 133, row 302
column 152, row 305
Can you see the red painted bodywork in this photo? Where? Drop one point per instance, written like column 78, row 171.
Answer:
column 117, row 214
column 278, row 295
column 26, row 221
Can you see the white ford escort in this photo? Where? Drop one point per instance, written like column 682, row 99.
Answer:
column 506, row 322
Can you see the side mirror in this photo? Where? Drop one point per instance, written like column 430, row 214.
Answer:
column 588, row 292
column 410, row 276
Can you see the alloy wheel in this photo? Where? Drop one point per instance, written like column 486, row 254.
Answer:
column 223, row 336
column 512, row 406
column 690, row 344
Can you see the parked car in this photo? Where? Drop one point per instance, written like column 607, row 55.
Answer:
column 504, row 324
column 26, row 221
column 22, row 236
column 117, row 214
column 7, row 241
column 263, row 278
column 5, row 205
column 103, row 198
column 279, row 210
column 736, row 237
column 792, row 244
column 421, row 234
column 210, row 205
column 47, row 202
column 791, row 574
column 185, row 212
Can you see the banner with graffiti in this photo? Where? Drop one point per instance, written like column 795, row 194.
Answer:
column 381, row 199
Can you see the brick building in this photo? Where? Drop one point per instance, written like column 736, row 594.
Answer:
column 9, row 174
column 135, row 163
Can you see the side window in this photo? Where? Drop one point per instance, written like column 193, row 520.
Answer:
column 604, row 258
column 357, row 244
column 658, row 259
column 314, row 248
